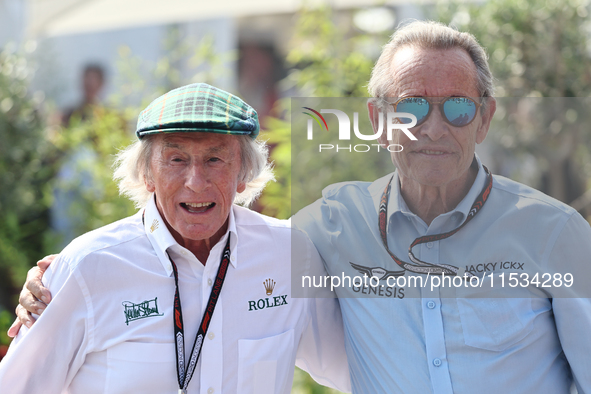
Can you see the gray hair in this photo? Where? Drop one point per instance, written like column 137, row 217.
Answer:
column 132, row 168
column 430, row 35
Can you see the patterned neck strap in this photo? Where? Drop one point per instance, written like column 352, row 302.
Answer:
column 184, row 372
column 419, row 266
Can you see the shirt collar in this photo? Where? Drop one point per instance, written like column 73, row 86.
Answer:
column 397, row 204
column 466, row 204
column 161, row 238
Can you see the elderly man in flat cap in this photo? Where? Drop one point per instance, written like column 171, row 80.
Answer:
column 191, row 294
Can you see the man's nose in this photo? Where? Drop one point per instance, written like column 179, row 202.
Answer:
column 197, row 178
column 434, row 126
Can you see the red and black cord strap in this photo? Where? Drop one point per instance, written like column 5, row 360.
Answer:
column 185, row 373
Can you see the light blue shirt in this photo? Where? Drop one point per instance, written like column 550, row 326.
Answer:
column 411, row 339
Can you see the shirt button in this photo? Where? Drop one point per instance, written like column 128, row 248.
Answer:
column 209, row 282
column 431, row 304
column 211, row 335
column 183, row 252
column 210, row 390
column 232, row 258
column 429, row 245
column 437, row 362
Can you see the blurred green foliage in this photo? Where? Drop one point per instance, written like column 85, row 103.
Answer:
column 329, row 58
column 274, row 200
column 88, row 149
column 537, row 48
column 25, row 169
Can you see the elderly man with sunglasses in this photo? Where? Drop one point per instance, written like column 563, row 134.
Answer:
column 440, row 214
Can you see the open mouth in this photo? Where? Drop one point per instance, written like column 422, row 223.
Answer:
column 198, row 207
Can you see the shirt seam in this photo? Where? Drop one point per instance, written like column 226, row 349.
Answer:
column 558, row 229
column 89, row 325
column 78, row 261
column 557, row 205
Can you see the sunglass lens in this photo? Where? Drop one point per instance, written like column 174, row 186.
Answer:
column 417, row 106
column 459, row 110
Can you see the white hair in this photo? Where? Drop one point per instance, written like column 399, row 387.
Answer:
column 132, row 169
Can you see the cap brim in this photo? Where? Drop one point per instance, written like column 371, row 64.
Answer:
column 143, row 133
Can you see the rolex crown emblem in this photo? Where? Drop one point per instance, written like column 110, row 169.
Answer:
column 154, row 226
column 269, row 286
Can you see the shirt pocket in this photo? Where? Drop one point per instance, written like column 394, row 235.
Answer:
column 495, row 323
column 137, row 367
column 266, row 365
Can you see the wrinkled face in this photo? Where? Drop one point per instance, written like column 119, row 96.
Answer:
column 442, row 153
column 195, row 179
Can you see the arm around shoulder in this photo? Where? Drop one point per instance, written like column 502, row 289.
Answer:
column 46, row 357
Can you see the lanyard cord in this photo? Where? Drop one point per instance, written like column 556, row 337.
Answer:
column 184, row 373
column 419, row 266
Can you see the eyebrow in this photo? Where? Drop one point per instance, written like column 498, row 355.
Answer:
column 172, row 145
column 214, row 149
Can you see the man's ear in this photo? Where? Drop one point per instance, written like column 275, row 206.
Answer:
column 374, row 117
column 487, row 115
column 150, row 186
column 241, row 187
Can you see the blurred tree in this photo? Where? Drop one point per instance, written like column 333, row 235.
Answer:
column 538, row 49
column 25, row 169
column 329, row 58
column 275, row 198
column 88, row 148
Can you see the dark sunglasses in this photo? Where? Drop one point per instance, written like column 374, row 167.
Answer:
column 457, row 111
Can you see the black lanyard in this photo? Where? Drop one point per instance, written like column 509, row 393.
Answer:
column 419, row 266
column 184, row 373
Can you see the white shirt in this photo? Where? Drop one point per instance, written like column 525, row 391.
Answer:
column 109, row 328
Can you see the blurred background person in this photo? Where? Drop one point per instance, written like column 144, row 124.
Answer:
column 76, row 181
column 92, row 83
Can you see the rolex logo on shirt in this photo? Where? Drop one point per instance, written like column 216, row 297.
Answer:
column 154, row 226
column 268, row 302
column 269, row 286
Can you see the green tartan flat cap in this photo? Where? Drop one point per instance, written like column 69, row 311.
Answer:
column 198, row 107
